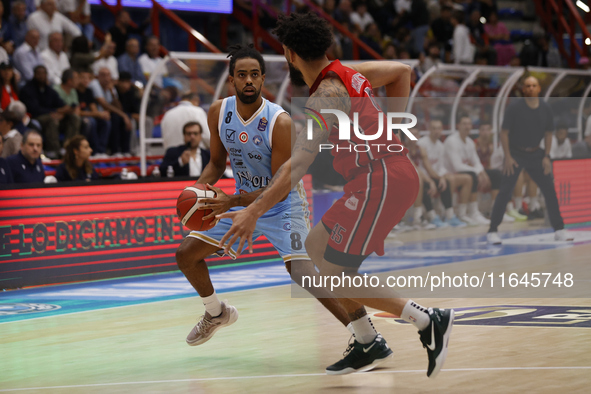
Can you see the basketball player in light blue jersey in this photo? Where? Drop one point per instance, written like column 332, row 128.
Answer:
column 257, row 135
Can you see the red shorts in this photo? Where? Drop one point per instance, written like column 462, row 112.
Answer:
column 372, row 205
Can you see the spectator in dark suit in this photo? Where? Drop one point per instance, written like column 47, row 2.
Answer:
column 26, row 166
column 187, row 159
column 76, row 166
column 5, row 173
column 46, row 106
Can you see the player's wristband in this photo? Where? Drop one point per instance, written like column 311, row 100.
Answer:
column 546, row 156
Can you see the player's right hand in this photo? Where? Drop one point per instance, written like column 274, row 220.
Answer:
column 509, row 166
column 219, row 204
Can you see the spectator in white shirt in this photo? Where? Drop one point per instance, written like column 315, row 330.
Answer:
column 360, row 18
column 561, row 147
column 435, row 154
column 463, row 49
column 79, row 12
column 149, row 60
column 55, row 59
column 461, row 157
column 28, row 56
column 47, row 20
column 175, row 118
column 108, row 60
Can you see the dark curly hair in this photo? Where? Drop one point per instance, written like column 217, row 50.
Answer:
column 308, row 35
column 243, row 52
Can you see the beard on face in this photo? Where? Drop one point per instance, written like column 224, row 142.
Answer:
column 296, row 76
column 245, row 98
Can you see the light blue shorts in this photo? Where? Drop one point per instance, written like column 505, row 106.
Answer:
column 286, row 226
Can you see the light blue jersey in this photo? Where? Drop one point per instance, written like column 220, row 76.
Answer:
column 249, row 145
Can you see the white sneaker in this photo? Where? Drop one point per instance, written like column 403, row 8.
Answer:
column 208, row 325
column 563, row 235
column 479, row 219
column 428, row 225
column 493, row 239
column 508, row 219
column 401, row 228
column 468, row 220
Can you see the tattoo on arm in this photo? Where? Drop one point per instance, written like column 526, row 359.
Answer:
column 357, row 314
column 331, row 94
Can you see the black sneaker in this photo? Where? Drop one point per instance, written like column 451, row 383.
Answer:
column 435, row 338
column 537, row 214
column 361, row 357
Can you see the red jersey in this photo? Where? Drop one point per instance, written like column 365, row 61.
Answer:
column 352, row 157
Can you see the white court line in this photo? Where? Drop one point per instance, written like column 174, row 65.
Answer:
column 298, row 376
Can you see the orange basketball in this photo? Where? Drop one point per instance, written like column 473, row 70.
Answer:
column 187, row 204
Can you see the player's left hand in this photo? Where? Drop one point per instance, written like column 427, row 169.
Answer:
column 220, row 204
column 243, row 226
column 547, row 164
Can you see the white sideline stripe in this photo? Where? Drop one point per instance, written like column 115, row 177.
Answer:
column 300, row 376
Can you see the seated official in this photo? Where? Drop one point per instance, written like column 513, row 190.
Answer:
column 76, row 166
column 5, row 173
column 26, row 166
column 187, row 159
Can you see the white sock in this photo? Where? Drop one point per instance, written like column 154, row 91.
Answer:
column 431, row 214
column 364, row 330
column 473, row 208
column 418, row 212
column 350, row 328
column 534, row 203
column 510, row 206
column 518, row 203
column 416, row 315
column 213, row 306
column 462, row 210
column 449, row 213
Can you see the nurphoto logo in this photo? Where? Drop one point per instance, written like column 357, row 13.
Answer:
column 345, row 124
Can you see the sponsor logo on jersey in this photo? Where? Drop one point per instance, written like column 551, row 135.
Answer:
column 256, row 180
column 356, row 82
column 255, row 156
column 287, row 226
column 238, row 162
column 25, row 307
column 257, row 139
column 230, row 135
column 235, row 152
column 262, row 124
column 352, row 203
column 242, row 191
column 243, row 137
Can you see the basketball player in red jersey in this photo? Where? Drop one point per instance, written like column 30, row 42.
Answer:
column 381, row 185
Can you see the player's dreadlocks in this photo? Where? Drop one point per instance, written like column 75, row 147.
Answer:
column 306, row 34
column 241, row 52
